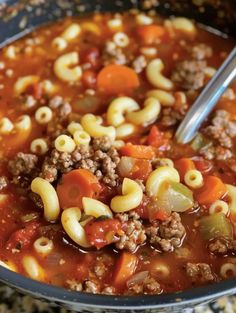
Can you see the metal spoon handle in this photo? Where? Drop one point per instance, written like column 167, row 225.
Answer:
column 207, row 99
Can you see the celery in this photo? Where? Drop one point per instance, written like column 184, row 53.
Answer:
column 214, row 226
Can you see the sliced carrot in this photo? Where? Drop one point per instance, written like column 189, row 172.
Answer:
column 138, row 151
column 183, row 166
column 149, row 34
column 125, row 268
column 212, row 190
column 156, row 137
column 117, row 79
column 75, row 185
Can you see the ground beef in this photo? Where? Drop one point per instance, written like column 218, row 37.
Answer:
column 23, row 164
column 199, row 272
column 100, row 158
column 221, row 132
column 222, row 129
column 189, row 74
column 113, row 54
column 134, row 232
column 109, row 290
column 222, row 246
column 148, row 286
column 139, row 64
column 61, row 107
column 172, row 116
column 102, row 265
column 201, row 51
column 72, row 284
column 91, row 286
column 166, row 235
column 3, row 182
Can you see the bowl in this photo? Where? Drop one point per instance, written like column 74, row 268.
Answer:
column 17, row 18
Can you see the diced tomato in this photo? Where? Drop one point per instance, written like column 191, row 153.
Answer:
column 156, row 138
column 142, row 209
column 141, row 170
column 89, row 79
column 92, row 56
column 149, row 34
column 183, row 166
column 156, row 213
column 102, row 232
column 22, row 238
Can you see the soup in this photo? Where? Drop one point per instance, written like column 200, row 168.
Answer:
column 95, row 194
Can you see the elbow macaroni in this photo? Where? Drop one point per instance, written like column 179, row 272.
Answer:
column 131, row 197
column 43, row 245
column 92, row 126
column 95, row 208
column 193, row 179
column 147, row 115
column 62, row 67
column 39, row 146
column 158, row 177
column 23, row 83
column 43, row 115
column 232, row 195
column 165, row 98
column 32, row 268
column 81, row 138
column 118, row 108
column 64, row 143
column 6, row 126
column 49, row 197
column 23, row 123
column 219, row 206
column 71, row 32
column 155, row 77
column 70, row 221
column 183, row 24
column 125, row 130
column 73, row 127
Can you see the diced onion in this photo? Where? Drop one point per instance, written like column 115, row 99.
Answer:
column 137, row 278
column 125, row 166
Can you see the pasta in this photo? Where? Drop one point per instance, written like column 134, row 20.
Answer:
column 125, row 130
column 73, row 127
column 59, row 43
column 228, row 270
column 23, row 123
column 118, row 108
column 158, row 177
column 71, row 32
column 81, row 138
column 43, row 245
column 147, row 115
column 70, row 221
column 63, row 70
column 142, row 19
column 183, row 24
column 219, row 206
column 131, row 197
column 6, row 126
column 92, row 126
column 121, row 39
column 43, row 115
column 32, row 268
column 232, row 195
column 64, row 143
column 115, row 24
column 165, row 98
column 23, row 83
column 39, row 146
column 193, row 179
column 95, row 208
column 165, row 162
column 48, row 86
column 49, row 197
column 155, row 77
column 161, row 269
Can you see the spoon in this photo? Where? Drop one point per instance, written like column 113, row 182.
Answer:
column 207, row 100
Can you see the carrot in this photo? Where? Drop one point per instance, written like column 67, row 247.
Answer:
column 212, row 190
column 156, row 137
column 150, row 34
column 75, row 185
column 183, row 166
column 125, row 268
column 117, row 79
column 138, row 151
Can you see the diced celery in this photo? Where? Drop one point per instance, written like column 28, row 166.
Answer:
column 198, row 142
column 177, row 197
column 214, row 226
